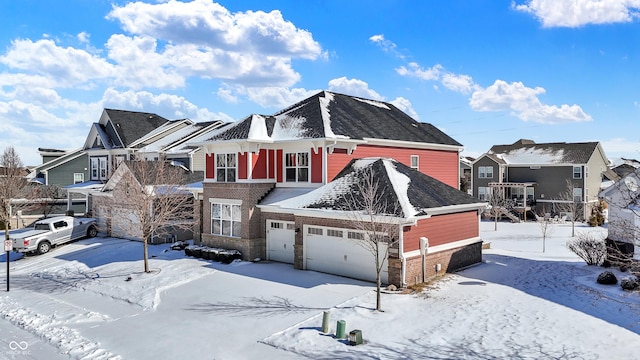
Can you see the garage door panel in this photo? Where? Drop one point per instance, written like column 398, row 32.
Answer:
column 341, row 256
column 281, row 238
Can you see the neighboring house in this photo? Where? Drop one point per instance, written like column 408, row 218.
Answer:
column 623, row 166
column 112, row 205
column 535, row 175
column 60, row 167
column 303, row 148
column 623, row 200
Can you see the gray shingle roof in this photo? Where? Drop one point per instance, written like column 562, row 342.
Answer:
column 527, row 151
column 405, row 191
column 132, row 125
column 328, row 114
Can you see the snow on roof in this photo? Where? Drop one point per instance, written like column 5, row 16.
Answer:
column 374, row 103
column 326, row 114
column 400, row 183
column 258, row 129
column 532, row 155
column 169, row 139
column 288, row 127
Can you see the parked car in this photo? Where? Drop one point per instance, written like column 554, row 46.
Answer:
column 53, row 231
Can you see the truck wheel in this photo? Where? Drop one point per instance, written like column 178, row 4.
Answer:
column 92, row 232
column 44, row 247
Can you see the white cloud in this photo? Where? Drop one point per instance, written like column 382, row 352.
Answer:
column 459, row 83
column 276, row 97
column 524, row 103
column 575, row 13
column 406, row 106
column 84, row 37
column 414, row 70
column 205, row 23
column 353, row 87
column 386, row 45
column 67, row 66
column 167, row 105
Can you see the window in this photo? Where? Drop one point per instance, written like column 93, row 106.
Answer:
column 518, row 193
column 577, row 194
column 297, row 167
column 314, row 231
column 415, row 160
column 484, row 193
column 577, row 172
column 98, row 168
column 226, row 167
column 334, row 233
column 355, row 235
column 225, row 219
column 78, row 178
column 276, row 225
column 485, row 172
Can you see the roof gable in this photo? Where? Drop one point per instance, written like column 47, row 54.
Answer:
column 130, row 126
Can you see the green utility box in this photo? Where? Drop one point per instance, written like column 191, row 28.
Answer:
column 355, row 337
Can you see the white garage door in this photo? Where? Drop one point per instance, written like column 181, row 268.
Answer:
column 281, row 236
column 125, row 225
column 337, row 251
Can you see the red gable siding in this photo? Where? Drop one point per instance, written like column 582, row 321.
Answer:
column 210, row 166
column 442, row 229
column 259, row 165
column 439, row 164
column 242, row 165
column 316, row 166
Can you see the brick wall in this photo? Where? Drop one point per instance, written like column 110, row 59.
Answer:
column 252, row 241
column 450, row 260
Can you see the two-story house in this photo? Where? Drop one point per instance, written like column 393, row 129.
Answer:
column 262, row 170
column 536, row 176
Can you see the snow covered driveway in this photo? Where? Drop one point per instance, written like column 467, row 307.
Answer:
column 90, row 300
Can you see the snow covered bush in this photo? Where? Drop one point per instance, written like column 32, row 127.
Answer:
column 590, row 247
column 607, row 278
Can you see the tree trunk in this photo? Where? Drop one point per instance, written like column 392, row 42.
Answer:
column 378, row 295
column 145, row 247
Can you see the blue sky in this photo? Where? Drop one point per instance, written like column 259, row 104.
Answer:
column 485, row 72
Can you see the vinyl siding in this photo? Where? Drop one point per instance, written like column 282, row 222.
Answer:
column 63, row 174
column 442, row 229
column 441, row 165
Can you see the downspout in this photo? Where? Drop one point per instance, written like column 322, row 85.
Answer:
column 403, row 262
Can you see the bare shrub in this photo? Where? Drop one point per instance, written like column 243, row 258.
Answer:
column 589, row 247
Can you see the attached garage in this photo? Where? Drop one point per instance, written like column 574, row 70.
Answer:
column 341, row 252
column 281, row 236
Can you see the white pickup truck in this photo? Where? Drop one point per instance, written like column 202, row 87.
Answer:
column 49, row 232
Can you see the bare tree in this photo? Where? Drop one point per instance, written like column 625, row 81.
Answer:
column 13, row 185
column 376, row 219
column 570, row 205
column 499, row 205
column 153, row 194
column 546, row 229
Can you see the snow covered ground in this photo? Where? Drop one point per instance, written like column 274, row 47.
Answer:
column 90, row 300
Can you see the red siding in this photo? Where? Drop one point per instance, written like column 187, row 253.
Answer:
column 439, row 164
column 279, row 167
column 316, row 166
column 259, row 165
column 272, row 164
column 210, row 166
column 442, row 229
column 242, row 165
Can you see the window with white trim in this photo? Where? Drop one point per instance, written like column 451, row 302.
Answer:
column 98, row 168
column 485, row 172
column 78, row 178
column 314, row 231
column 226, row 167
column 484, row 193
column 577, row 195
column 297, row 167
column 226, row 219
column 577, row 172
column 415, row 161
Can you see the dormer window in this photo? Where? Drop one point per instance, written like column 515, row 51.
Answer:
column 226, row 167
column 297, row 167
